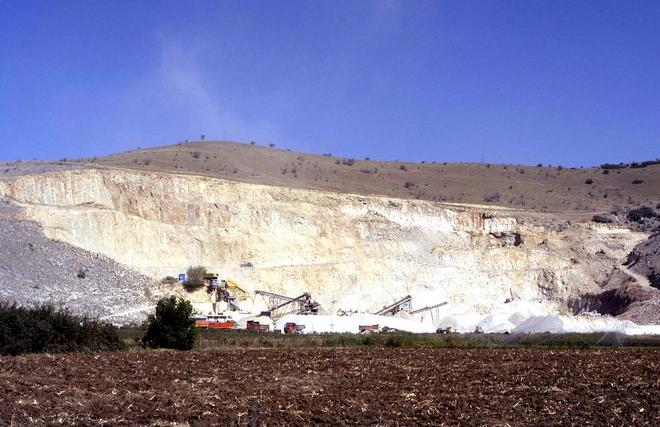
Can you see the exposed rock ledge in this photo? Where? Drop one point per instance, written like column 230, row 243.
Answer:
column 349, row 251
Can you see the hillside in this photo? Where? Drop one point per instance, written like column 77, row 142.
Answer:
column 353, row 233
column 530, row 188
column 34, row 268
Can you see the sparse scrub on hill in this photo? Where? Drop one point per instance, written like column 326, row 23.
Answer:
column 482, row 179
column 611, row 166
column 46, row 328
column 494, row 197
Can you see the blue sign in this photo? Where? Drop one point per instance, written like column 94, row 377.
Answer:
column 182, row 277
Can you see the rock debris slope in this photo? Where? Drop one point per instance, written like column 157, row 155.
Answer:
column 349, row 251
column 34, row 268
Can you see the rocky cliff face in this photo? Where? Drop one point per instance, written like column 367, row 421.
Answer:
column 645, row 260
column 349, row 251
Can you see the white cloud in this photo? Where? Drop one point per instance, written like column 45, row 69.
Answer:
column 190, row 91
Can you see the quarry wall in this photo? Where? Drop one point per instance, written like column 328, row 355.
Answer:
column 349, row 251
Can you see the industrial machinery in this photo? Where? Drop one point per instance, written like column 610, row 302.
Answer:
column 304, row 303
column 431, row 307
column 291, row 327
column 225, row 296
column 255, row 326
column 420, row 310
column 215, row 321
column 226, row 291
column 397, row 306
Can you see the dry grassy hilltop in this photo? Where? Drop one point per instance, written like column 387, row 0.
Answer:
column 356, row 233
column 542, row 188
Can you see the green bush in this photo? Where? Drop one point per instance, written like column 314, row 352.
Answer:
column 171, row 325
column 45, row 328
column 195, row 277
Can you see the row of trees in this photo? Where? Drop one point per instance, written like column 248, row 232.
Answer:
column 46, row 328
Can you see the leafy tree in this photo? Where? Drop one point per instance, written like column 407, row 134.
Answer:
column 171, row 325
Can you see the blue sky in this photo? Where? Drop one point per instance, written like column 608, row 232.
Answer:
column 572, row 83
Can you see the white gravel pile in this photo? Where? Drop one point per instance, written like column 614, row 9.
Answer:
column 580, row 324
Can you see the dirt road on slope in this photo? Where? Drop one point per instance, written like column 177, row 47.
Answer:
column 641, row 280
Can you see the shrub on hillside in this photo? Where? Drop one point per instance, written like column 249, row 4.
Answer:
column 495, row 197
column 169, row 280
column 637, row 215
column 171, row 326
column 45, row 328
column 194, row 277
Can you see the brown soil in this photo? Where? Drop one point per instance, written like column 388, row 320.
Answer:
column 301, row 387
column 533, row 188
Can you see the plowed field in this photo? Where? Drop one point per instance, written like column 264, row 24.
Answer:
column 363, row 386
